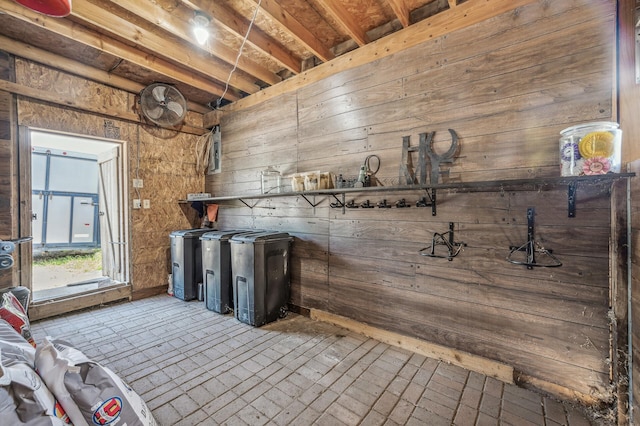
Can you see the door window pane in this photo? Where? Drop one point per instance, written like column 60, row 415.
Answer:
column 73, row 175
column 38, row 172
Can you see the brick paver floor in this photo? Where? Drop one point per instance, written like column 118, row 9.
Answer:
column 195, row 367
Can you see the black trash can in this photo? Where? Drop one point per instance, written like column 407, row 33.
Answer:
column 216, row 270
column 186, row 262
column 260, row 267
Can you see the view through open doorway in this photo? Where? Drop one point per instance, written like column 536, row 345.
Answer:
column 79, row 241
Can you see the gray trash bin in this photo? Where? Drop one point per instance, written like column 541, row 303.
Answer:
column 260, row 267
column 216, row 270
column 186, row 262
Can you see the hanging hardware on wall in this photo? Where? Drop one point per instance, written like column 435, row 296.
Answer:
column 422, row 202
column 531, row 247
column 402, row 204
column 367, row 205
column 383, row 204
column 443, row 239
column 351, row 205
column 367, row 176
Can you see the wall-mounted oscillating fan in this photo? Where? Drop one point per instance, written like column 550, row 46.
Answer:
column 163, row 104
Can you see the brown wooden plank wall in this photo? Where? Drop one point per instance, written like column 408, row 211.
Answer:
column 507, row 87
column 7, row 188
column 635, row 288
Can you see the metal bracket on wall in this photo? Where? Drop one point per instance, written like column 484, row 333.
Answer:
column 571, row 199
column 531, row 247
column 310, row 203
column 443, row 239
column 431, row 195
column 247, row 204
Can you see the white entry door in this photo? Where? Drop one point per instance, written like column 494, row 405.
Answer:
column 111, row 213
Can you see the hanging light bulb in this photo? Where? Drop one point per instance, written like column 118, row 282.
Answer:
column 200, row 30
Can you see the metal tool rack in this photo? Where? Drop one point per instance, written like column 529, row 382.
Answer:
column 339, row 194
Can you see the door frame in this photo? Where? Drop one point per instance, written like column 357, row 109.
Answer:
column 47, row 308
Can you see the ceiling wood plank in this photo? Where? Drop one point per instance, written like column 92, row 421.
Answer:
column 401, row 10
column 463, row 15
column 453, row 3
column 237, row 24
column 75, row 32
column 87, row 13
column 70, row 66
column 346, row 21
column 165, row 20
column 298, row 31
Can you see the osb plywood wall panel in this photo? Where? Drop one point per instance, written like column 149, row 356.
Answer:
column 507, row 87
column 164, row 159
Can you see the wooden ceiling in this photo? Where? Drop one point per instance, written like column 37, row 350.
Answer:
column 132, row 43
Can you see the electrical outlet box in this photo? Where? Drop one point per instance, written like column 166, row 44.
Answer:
column 136, row 204
column 146, row 204
column 137, row 183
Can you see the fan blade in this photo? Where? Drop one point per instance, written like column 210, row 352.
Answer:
column 155, row 113
column 175, row 107
column 159, row 92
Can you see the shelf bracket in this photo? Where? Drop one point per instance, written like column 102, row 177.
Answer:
column 571, row 199
column 431, row 194
column 308, row 201
column 246, row 204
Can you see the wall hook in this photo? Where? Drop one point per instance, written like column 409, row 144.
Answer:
column 444, row 239
column 531, row 247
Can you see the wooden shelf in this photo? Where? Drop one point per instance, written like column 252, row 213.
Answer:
column 571, row 182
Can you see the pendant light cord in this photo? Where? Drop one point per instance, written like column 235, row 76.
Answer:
column 235, row 66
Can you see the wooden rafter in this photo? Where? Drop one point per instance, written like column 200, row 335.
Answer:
column 40, row 56
column 453, row 3
column 88, row 14
column 237, row 24
column 295, row 29
column 166, row 21
column 462, row 16
column 402, row 11
column 79, row 34
column 346, row 20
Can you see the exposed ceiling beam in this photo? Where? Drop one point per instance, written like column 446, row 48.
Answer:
column 94, row 16
column 452, row 3
column 346, row 21
column 401, row 10
column 237, row 24
column 181, row 29
column 81, row 35
column 66, row 100
column 298, row 31
column 52, row 60
column 462, row 16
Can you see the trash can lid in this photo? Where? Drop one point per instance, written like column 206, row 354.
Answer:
column 260, row 237
column 190, row 232
column 222, row 235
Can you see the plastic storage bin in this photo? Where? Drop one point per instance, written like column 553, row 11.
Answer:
column 186, row 262
column 590, row 149
column 216, row 270
column 260, row 266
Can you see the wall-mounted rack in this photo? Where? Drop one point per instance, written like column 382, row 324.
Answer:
column 339, row 194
